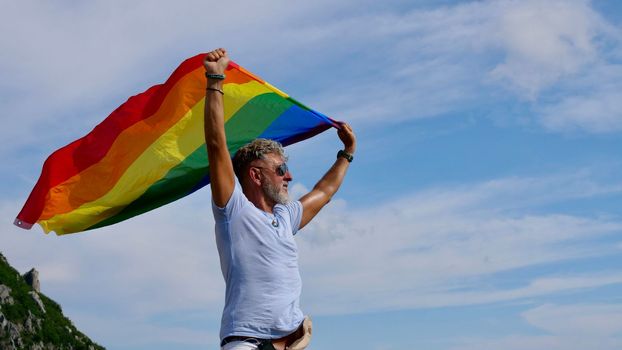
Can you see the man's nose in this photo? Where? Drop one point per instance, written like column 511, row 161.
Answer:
column 288, row 176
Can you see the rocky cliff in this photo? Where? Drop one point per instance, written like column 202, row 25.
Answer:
column 30, row 320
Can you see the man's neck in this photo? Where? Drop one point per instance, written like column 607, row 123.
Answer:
column 258, row 198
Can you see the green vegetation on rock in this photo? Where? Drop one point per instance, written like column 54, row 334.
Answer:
column 31, row 320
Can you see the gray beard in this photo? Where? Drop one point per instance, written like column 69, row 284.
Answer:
column 274, row 193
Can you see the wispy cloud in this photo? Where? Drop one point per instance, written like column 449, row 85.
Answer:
column 438, row 247
column 545, row 41
column 599, row 320
column 121, row 283
column 71, row 65
column 438, row 61
column 568, row 327
column 441, row 245
column 76, row 64
column 598, row 111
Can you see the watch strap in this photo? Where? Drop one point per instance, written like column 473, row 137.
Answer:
column 345, row 155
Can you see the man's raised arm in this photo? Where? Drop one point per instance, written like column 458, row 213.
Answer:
column 328, row 185
column 222, row 177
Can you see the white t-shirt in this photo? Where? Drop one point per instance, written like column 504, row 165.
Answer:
column 259, row 262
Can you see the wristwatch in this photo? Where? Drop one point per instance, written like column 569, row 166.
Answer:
column 345, row 155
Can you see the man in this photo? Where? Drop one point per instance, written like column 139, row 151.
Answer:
column 255, row 225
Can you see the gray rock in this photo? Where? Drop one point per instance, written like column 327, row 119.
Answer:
column 38, row 346
column 32, row 323
column 28, row 326
column 32, row 278
column 3, row 322
column 14, row 336
column 35, row 296
column 5, row 295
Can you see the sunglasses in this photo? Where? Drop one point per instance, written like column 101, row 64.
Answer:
column 280, row 170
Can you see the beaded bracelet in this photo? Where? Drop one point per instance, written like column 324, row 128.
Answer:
column 215, row 76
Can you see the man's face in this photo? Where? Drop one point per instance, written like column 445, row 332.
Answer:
column 275, row 178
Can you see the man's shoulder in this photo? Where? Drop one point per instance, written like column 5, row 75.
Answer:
column 236, row 202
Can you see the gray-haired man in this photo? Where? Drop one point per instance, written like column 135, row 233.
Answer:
column 255, row 225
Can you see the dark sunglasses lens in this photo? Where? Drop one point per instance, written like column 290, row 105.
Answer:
column 282, row 169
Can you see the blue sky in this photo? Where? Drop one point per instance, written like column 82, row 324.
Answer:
column 482, row 210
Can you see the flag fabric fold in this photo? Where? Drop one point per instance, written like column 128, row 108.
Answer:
column 151, row 150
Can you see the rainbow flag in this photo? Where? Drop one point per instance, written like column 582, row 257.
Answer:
column 151, row 150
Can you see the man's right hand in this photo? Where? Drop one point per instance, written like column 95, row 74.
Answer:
column 215, row 62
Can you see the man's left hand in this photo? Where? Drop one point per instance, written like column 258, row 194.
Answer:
column 346, row 135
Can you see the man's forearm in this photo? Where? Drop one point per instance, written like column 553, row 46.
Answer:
column 328, row 185
column 214, row 117
column 215, row 63
column 332, row 180
column 220, row 168
column 323, row 191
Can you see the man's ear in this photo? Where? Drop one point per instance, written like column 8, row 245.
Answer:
column 255, row 175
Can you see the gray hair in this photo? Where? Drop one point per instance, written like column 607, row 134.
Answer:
column 256, row 149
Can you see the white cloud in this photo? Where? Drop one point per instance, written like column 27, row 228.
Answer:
column 443, row 246
column 455, row 58
column 519, row 342
column 568, row 327
column 439, row 247
column 137, row 333
column 579, row 320
column 544, row 41
column 74, row 64
column 131, row 275
column 599, row 112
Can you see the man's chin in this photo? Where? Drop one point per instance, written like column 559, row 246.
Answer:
column 279, row 197
column 283, row 197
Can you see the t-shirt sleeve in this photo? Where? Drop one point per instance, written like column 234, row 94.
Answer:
column 235, row 203
column 294, row 209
